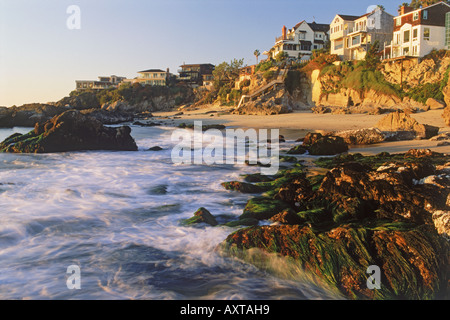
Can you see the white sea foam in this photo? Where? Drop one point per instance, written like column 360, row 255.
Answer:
column 117, row 215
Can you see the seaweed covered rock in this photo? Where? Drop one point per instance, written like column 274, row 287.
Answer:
column 391, row 211
column 242, row 187
column 262, row 208
column 202, row 215
column 70, row 131
column 409, row 257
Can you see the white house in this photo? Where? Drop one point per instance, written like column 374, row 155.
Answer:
column 418, row 31
column 352, row 36
column 301, row 40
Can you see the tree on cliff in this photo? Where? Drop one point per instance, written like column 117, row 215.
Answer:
column 372, row 58
column 227, row 72
column 256, row 54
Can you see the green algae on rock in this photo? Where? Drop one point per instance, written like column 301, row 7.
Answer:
column 411, row 261
column 202, row 215
column 70, row 131
column 365, row 211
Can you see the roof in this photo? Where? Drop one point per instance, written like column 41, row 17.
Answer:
column 423, row 8
column 347, row 17
column 319, row 26
column 197, row 65
column 151, row 70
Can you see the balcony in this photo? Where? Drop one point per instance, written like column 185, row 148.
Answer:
column 352, row 31
column 288, row 38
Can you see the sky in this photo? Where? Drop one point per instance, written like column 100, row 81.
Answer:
column 41, row 57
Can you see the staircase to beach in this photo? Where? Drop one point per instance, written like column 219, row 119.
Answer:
column 255, row 93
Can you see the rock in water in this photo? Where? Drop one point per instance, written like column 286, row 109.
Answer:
column 202, row 215
column 242, row 187
column 408, row 257
column 391, row 211
column 70, row 131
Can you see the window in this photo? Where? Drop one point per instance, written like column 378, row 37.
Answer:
column 415, row 34
column 415, row 16
column 356, row 40
column 405, row 51
column 406, row 36
column 398, row 21
column 425, row 15
column 426, row 34
column 415, row 51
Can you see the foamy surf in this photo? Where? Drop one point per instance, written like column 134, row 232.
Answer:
column 117, row 216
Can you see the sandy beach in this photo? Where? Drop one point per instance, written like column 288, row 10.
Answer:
column 297, row 124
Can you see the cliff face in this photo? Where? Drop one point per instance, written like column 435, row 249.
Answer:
column 415, row 73
column 395, row 85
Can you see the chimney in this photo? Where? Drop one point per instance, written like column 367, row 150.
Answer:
column 283, row 32
column 405, row 9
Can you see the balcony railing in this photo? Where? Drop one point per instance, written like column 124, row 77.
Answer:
column 288, row 38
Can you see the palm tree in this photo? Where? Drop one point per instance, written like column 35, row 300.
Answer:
column 256, row 54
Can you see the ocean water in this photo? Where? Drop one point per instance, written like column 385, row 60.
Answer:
column 117, row 216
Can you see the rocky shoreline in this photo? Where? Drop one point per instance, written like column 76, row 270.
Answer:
column 388, row 210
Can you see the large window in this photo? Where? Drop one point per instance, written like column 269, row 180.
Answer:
column 356, row 40
column 406, row 36
column 426, row 34
column 425, row 15
column 415, row 34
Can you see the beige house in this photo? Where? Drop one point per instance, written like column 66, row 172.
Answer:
column 100, row 84
column 352, row 36
column 153, row 77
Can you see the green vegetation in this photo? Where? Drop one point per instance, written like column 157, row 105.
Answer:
column 268, row 75
column 265, row 65
column 130, row 93
column 225, row 74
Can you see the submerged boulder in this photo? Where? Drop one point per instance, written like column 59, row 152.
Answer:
column 70, row 131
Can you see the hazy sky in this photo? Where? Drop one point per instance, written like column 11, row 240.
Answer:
column 40, row 57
